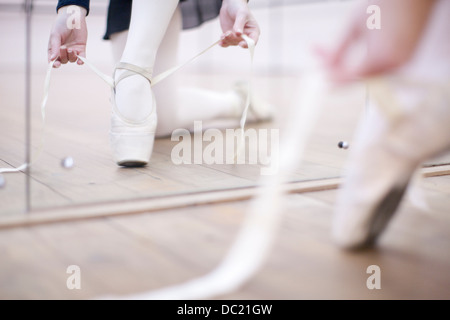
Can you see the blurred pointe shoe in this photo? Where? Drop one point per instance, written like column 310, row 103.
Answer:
column 408, row 124
column 259, row 110
column 132, row 141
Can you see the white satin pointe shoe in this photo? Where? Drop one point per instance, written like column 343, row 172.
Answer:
column 409, row 125
column 131, row 141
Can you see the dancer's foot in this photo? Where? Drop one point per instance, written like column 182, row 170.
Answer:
column 133, row 120
column 404, row 130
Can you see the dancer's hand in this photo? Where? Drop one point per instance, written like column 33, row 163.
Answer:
column 402, row 24
column 235, row 20
column 66, row 43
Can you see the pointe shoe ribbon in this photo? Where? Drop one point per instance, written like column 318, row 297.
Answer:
column 110, row 81
column 43, row 105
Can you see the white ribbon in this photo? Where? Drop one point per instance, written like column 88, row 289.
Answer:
column 259, row 228
column 254, row 241
column 43, row 107
column 110, row 81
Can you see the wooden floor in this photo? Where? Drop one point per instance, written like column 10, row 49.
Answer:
column 164, row 224
column 123, row 255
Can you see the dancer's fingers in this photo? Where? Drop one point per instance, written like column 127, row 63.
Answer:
column 54, row 44
column 240, row 22
column 63, row 56
column 80, row 53
column 233, row 39
column 225, row 39
column 72, row 55
column 253, row 34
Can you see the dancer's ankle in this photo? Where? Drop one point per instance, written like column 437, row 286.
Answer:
column 134, row 98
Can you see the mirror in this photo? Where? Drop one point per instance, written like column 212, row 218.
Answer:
column 75, row 169
column 15, row 82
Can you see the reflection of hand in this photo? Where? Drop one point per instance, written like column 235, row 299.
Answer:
column 402, row 24
column 235, row 20
column 64, row 43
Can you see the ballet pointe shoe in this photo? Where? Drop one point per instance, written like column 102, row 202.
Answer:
column 403, row 130
column 132, row 141
column 259, row 110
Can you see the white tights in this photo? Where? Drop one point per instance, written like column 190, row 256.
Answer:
column 152, row 42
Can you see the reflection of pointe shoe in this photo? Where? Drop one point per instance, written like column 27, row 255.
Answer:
column 404, row 131
column 132, row 141
column 259, row 110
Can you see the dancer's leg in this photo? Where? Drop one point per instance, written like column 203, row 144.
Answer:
column 178, row 106
column 181, row 105
column 149, row 21
column 408, row 124
column 118, row 42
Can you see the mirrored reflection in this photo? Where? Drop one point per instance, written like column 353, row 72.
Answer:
column 73, row 162
column 72, row 158
column 13, row 92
